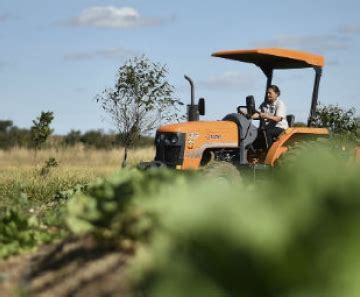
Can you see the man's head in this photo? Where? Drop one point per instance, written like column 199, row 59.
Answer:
column 272, row 93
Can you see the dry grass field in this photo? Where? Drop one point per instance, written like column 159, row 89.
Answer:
column 73, row 158
column 76, row 165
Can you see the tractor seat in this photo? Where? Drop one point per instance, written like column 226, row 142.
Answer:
column 290, row 119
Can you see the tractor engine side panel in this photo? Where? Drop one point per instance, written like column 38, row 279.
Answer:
column 202, row 135
column 220, row 135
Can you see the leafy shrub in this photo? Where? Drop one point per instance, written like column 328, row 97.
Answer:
column 21, row 228
column 32, row 210
column 335, row 118
column 339, row 121
column 112, row 208
column 296, row 235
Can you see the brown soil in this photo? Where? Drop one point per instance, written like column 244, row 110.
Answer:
column 75, row 267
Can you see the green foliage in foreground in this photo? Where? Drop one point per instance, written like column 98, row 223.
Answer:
column 32, row 210
column 22, row 227
column 112, row 209
column 294, row 235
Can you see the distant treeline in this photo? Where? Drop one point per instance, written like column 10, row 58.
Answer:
column 13, row 136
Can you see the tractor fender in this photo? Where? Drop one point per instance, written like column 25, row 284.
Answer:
column 280, row 146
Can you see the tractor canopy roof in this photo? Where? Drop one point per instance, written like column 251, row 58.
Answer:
column 273, row 58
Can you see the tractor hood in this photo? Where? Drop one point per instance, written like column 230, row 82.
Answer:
column 195, row 126
column 201, row 132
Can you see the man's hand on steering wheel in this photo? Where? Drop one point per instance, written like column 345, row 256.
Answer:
column 263, row 116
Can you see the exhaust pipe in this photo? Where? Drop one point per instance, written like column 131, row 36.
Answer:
column 192, row 89
column 193, row 111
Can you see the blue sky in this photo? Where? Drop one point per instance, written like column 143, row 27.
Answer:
column 57, row 55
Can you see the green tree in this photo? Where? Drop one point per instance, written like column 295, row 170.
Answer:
column 73, row 137
column 141, row 100
column 41, row 130
column 5, row 125
column 11, row 136
column 98, row 139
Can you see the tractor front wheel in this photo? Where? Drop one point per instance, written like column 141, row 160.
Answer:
column 224, row 172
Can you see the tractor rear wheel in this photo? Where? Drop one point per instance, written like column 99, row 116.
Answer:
column 298, row 151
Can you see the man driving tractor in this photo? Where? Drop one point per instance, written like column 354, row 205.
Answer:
column 193, row 144
column 272, row 115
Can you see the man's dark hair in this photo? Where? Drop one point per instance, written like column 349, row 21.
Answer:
column 275, row 88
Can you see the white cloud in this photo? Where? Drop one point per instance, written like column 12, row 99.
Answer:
column 113, row 17
column 113, row 53
column 320, row 43
column 228, row 80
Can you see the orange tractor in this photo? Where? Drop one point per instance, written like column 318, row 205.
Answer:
column 192, row 144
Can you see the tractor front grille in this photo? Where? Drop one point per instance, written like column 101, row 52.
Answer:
column 172, row 154
column 168, row 150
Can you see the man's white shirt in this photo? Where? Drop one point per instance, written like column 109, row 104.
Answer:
column 278, row 109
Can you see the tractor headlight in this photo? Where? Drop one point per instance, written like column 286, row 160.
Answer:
column 167, row 138
column 173, row 139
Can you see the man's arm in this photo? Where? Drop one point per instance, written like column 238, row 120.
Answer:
column 256, row 116
column 265, row 116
